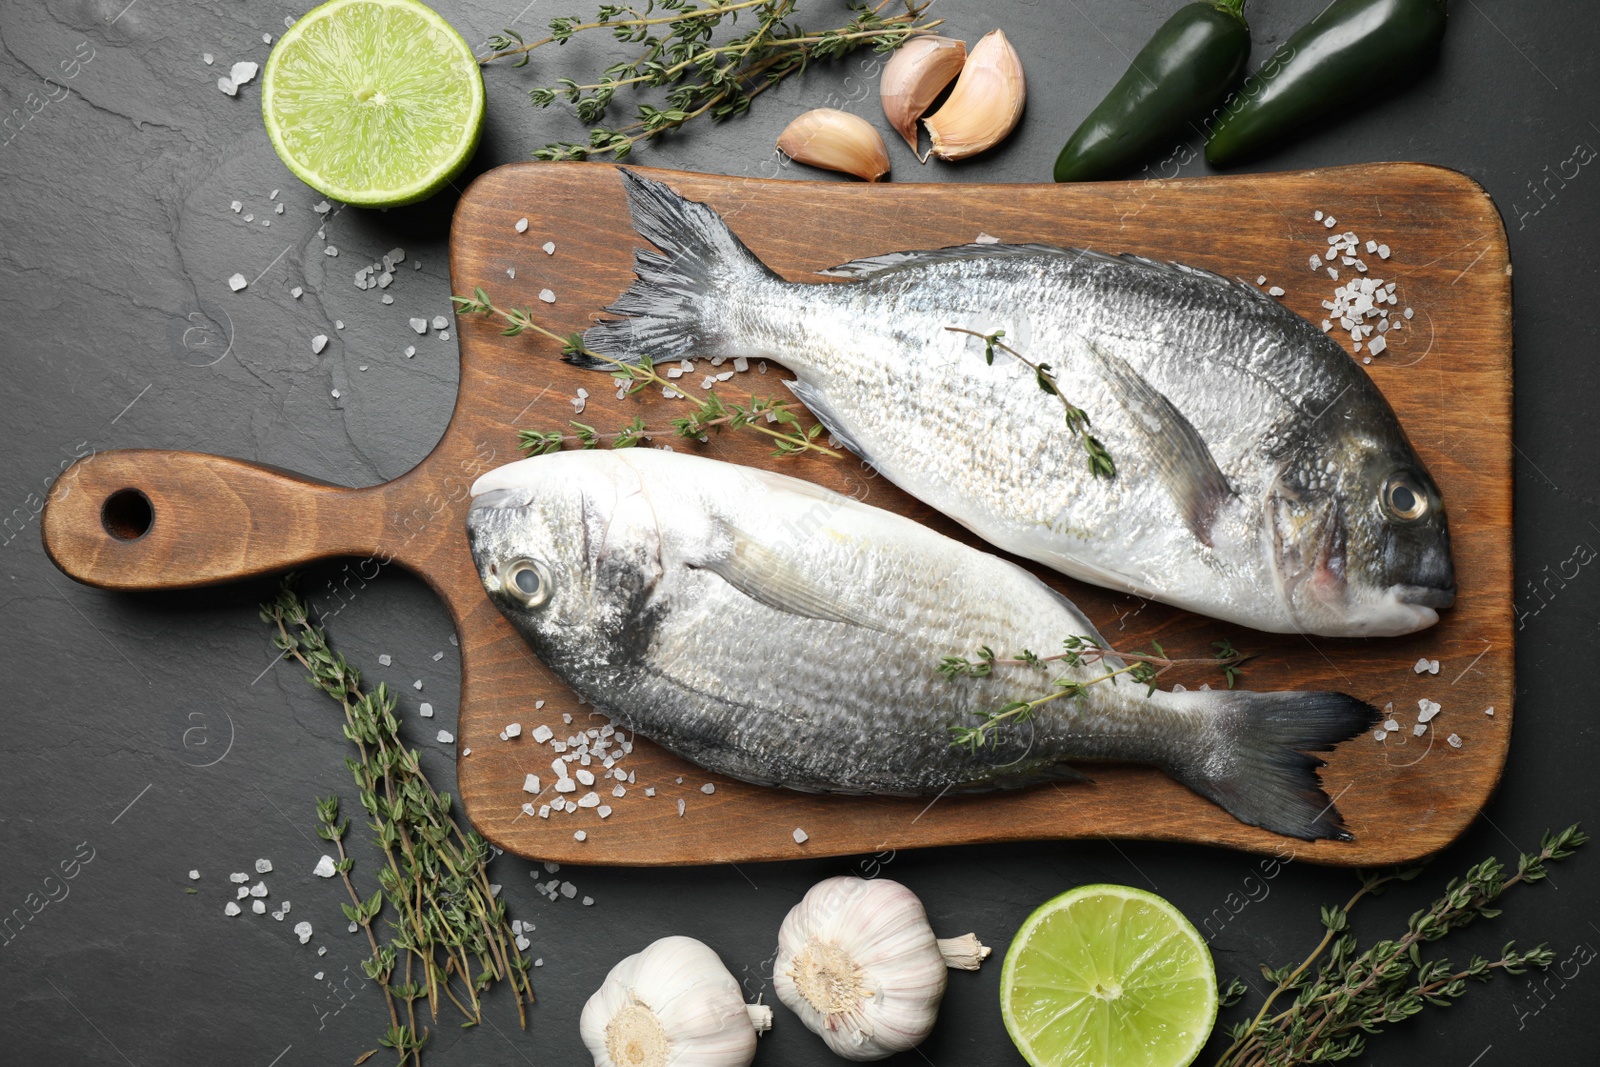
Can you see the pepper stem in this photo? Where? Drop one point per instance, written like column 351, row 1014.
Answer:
column 964, row 953
column 1230, row 7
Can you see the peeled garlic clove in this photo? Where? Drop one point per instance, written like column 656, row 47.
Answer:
column 919, row 71
column 985, row 104
column 858, row 962
column 672, row 1003
column 836, row 140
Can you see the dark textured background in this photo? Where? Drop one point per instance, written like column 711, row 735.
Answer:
column 116, row 240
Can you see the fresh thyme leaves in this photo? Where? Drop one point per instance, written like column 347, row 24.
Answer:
column 447, row 921
column 1355, row 993
column 676, row 53
column 760, row 414
column 1101, row 464
column 1078, row 654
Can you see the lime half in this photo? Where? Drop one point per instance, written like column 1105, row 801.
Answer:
column 373, row 102
column 1108, row 976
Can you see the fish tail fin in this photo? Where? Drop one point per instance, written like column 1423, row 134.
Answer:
column 667, row 310
column 1258, row 768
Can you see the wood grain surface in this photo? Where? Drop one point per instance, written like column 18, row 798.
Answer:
column 1448, row 376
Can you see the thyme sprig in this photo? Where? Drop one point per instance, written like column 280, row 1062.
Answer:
column 446, row 918
column 759, row 414
column 1353, row 994
column 676, row 54
column 1078, row 653
column 1101, row 465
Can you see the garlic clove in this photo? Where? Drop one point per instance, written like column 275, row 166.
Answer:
column 672, row 1003
column 859, row 964
column 986, row 103
column 836, row 140
column 918, row 72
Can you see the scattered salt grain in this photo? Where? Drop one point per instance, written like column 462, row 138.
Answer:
column 681, row 807
column 522, row 225
column 238, row 876
column 650, row 791
column 1489, row 711
column 580, row 835
column 317, row 977
column 1420, row 666
column 263, row 866
column 1419, row 729
column 297, row 292
column 514, row 730
column 588, row 902
column 590, row 799
column 302, row 930
column 194, row 876
column 547, row 296
column 1408, row 313
column 331, row 250
column 420, row 325
column 335, row 394
column 411, row 350
column 417, row 685
column 1261, row 280
column 1426, row 709
column 1454, row 741
column 259, row 907
column 386, row 659
column 1329, row 221
column 230, row 909
column 207, row 58
column 566, row 785
column 549, row 248
column 322, row 950
column 708, row 789
column 985, row 239
column 244, row 892
column 321, row 207
column 586, row 777
column 800, row 836
column 259, row 889
column 318, row 343
column 1275, row 291
column 324, row 867
column 530, row 784
column 426, row 710
column 440, row 322
column 1378, row 735
column 237, row 282
column 1316, row 216
column 1377, row 346
column 542, row 733
column 227, row 86
column 1391, row 725
column 446, row 737
column 1383, row 251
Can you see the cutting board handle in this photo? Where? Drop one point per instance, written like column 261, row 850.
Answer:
column 140, row 519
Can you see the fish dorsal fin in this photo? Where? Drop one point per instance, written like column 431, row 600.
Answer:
column 871, row 266
column 891, row 261
column 1182, row 459
column 763, row 575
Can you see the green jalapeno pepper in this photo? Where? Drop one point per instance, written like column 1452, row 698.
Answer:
column 1178, row 77
column 1351, row 51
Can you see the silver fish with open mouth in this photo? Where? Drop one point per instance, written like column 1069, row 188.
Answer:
column 1260, row 476
column 774, row 631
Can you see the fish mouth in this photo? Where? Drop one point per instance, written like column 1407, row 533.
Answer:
column 1425, row 596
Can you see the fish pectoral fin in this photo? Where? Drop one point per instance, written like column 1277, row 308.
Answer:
column 765, row 576
column 817, row 404
column 1181, row 457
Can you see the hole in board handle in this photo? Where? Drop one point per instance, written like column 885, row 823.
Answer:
column 127, row 515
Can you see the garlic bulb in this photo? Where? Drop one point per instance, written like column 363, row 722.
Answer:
column 859, row 964
column 919, row 71
column 836, row 140
column 985, row 104
column 672, row 1003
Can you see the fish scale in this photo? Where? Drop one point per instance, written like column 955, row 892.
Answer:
column 1260, row 476
column 785, row 635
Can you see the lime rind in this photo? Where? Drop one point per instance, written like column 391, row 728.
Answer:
column 1160, row 965
column 375, row 103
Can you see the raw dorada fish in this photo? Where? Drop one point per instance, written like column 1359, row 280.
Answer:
column 783, row 634
column 1260, row 475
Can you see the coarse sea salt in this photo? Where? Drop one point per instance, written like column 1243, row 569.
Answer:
column 324, row 868
column 1454, row 740
column 425, row 710
column 446, row 737
column 263, row 866
column 800, row 836
column 237, row 282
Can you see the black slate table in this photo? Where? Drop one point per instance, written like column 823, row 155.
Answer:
column 148, row 736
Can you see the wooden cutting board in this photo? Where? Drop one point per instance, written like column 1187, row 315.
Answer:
column 211, row 520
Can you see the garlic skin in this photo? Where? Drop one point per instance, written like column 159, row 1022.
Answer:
column 858, row 962
column 672, row 1003
column 918, row 72
column 986, row 103
column 836, row 140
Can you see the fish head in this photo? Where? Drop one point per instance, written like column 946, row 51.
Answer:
column 1362, row 542
column 567, row 547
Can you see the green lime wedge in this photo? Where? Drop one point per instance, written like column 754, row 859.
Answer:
column 1108, row 976
column 373, row 102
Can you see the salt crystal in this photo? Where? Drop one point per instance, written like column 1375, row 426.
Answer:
column 566, row 717
column 230, row 909
column 259, row 907
column 284, row 907
column 544, row 811
column 619, row 790
column 1378, row 735
column 565, row 785
column 1409, row 313
column 259, row 889
column 650, row 791
column 227, row 86
column 1316, row 263
column 263, row 866
column 586, row 777
column 352, row 928
column 244, row 892
column 1275, row 291
column 250, row 217
column 1330, row 222
column 1427, row 709
column 207, row 58
column 514, row 730
column 1261, row 280
column 411, row 350
column 577, row 836
column 238, row 876
column 1391, row 725
column 425, row 710
column 324, row 867
column 681, row 807
column 1419, row 729
column 522, row 943
column 549, row 248
column 446, row 737
column 1377, row 345
column 296, row 292
column 985, row 239
column 302, row 930
column 542, row 733
column 1489, row 711
column 530, row 784
column 1433, row 666
column 1383, row 251
column 708, row 789
column 318, row 343
column 237, row 282
column 800, row 836
column 321, row 207
column 1420, row 666
column 1333, row 273
column 1454, row 740
column 194, row 876
column 547, row 296
column 417, row 685
column 1316, row 216
column 420, row 325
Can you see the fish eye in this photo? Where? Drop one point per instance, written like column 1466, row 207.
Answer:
column 528, row 580
column 1404, row 499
